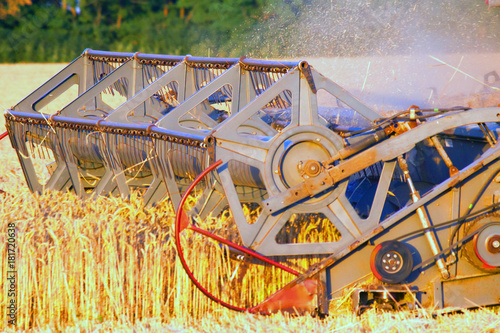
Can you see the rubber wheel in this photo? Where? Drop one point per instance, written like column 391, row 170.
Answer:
column 391, row 262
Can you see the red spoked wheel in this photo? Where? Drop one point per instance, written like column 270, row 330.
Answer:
column 182, row 222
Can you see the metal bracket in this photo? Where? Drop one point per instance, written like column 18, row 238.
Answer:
column 383, row 298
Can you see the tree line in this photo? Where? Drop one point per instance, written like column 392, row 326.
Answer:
column 59, row 30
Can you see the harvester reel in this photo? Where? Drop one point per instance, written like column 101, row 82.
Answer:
column 278, row 163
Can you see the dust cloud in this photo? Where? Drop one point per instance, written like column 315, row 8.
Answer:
column 391, row 53
column 378, row 27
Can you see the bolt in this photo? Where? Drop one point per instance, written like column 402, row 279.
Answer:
column 318, row 139
column 276, row 171
column 412, row 113
column 311, row 168
column 493, row 244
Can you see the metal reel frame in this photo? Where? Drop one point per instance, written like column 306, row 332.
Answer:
column 268, row 155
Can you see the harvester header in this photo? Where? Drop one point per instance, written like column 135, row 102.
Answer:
column 402, row 206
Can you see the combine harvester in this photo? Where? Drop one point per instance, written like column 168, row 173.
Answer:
column 412, row 197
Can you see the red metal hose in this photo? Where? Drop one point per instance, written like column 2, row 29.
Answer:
column 4, row 135
column 180, row 214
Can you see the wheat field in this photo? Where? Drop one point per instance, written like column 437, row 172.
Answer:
column 110, row 264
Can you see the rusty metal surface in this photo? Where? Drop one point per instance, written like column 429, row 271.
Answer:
column 471, row 291
column 297, row 299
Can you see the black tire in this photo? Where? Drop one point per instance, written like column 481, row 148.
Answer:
column 391, row 262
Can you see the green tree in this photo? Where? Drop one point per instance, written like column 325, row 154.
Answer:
column 11, row 7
